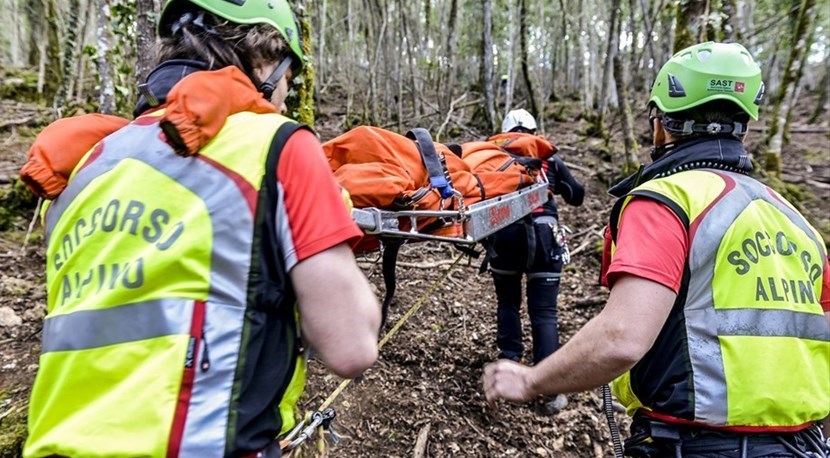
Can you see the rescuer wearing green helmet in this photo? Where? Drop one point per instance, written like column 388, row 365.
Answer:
column 183, row 286
column 716, row 333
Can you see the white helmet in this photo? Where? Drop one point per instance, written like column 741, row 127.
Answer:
column 518, row 118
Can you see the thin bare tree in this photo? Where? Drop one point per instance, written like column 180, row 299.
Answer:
column 787, row 87
column 106, row 98
column 487, row 63
column 690, row 23
column 146, row 13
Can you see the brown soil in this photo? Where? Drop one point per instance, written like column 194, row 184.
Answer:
column 427, row 379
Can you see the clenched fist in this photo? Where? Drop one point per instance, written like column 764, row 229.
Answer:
column 508, row 380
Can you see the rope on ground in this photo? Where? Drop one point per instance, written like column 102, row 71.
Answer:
column 315, row 421
column 395, row 328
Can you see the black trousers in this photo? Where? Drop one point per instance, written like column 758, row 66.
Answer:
column 527, row 248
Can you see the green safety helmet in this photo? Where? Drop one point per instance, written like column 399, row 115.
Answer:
column 706, row 72
column 276, row 13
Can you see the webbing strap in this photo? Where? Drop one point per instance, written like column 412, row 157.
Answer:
column 530, row 228
column 389, row 264
column 438, row 177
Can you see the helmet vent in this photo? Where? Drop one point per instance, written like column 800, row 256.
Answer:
column 676, row 89
column 703, row 55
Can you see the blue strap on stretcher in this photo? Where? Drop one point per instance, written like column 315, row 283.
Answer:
column 439, row 177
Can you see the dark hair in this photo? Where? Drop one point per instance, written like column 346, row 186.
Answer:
column 201, row 35
column 719, row 111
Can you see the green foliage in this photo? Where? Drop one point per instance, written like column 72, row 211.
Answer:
column 18, row 84
column 16, row 205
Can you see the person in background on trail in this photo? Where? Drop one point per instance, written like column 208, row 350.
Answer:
column 717, row 329
column 529, row 246
column 183, row 288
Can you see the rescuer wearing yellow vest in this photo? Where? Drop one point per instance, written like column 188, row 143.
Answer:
column 717, row 329
column 183, row 288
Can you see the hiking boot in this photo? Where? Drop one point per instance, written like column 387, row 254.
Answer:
column 551, row 405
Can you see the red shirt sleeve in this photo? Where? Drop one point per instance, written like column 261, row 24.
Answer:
column 316, row 217
column 652, row 243
column 606, row 257
column 825, row 287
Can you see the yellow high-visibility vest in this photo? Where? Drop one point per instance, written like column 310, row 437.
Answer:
column 171, row 328
column 746, row 344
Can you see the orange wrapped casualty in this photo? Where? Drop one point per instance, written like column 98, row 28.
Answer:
column 383, row 169
column 524, row 144
column 60, row 146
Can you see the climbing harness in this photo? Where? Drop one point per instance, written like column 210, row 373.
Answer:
column 321, row 420
column 561, row 233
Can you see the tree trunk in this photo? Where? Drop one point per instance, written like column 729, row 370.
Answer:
column 305, row 108
column 76, row 85
column 106, row 98
column 690, row 23
column 566, row 64
column 649, row 33
column 731, row 23
column 511, row 60
column 822, row 105
column 17, row 35
column 797, row 83
column 667, row 10
column 531, row 93
column 35, row 14
column 68, row 62
column 585, row 64
column 146, row 12
column 350, row 79
column 630, row 161
column 321, row 46
column 413, row 79
column 450, row 55
column 610, row 52
column 787, row 87
column 487, row 65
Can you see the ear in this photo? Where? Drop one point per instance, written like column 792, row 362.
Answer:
column 659, row 137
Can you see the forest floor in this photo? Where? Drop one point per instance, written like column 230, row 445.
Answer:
column 425, row 391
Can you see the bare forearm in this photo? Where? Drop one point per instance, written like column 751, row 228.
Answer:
column 339, row 314
column 609, row 344
column 348, row 336
column 590, row 359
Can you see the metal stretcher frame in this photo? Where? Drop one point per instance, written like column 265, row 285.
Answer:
column 476, row 221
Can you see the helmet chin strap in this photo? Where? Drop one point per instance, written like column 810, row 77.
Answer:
column 270, row 84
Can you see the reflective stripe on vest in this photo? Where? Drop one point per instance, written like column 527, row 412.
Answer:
column 92, row 311
column 718, row 317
